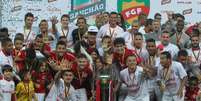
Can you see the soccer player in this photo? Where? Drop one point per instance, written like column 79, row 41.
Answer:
column 171, row 78
column 121, row 52
column 83, row 75
column 60, row 58
column 132, row 80
column 111, row 29
column 7, row 85
column 62, row 88
column 195, row 51
column 6, row 53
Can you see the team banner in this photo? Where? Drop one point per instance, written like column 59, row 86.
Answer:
column 130, row 9
column 88, row 10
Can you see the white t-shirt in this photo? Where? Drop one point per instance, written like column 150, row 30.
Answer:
column 172, row 84
column 195, row 55
column 29, row 35
column 128, row 37
column 7, row 88
column 156, row 59
column 183, row 39
column 5, row 60
column 151, row 83
column 67, row 33
column 56, row 92
column 135, row 87
column 142, row 52
column 107, row 30
column 53, row 42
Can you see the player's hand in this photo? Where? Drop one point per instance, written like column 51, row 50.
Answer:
column 54, row 20
column 65, row 64
column 51, row 62
column 37, row 85
column 180, row 93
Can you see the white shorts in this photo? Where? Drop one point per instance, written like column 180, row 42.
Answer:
column 172, row 98
column 40, row 96
column 141, row 98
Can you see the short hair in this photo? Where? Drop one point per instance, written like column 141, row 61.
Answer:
column 6, row 67
column 179, row 15
column 61, row 37
column 139, row 34
column 39, row 36
column 106, row 13
column 5, row 41
column 165, row 31
column 150, row 40
column 194, row 35
column 106, row 37
column 20, row 35
column 82, row 18
column 156, row 21
column 195, row 31
column 29, row 14
column 64, row 71
column 81, row 56
column 157, row 14
column 148, row 22
column 61, row 43
column 119, row 41
column 167, row 54
column 4, row 29
column 182, row 52
column 130, row 56
column 65, row 15
column 18, row 38
column 42, row 21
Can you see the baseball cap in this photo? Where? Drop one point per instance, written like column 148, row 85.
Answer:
column 93, row 29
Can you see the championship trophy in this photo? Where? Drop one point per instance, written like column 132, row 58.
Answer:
column 104, row 88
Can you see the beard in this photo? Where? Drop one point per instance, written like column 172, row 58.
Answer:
column 165, row 43
column 196, row 45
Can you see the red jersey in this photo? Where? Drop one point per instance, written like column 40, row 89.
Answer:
column 67, row 56
column 122, row 57
column 46, row 49
column 21, row 55
column 83, row 79
column 41, row 78
column 192, row 93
